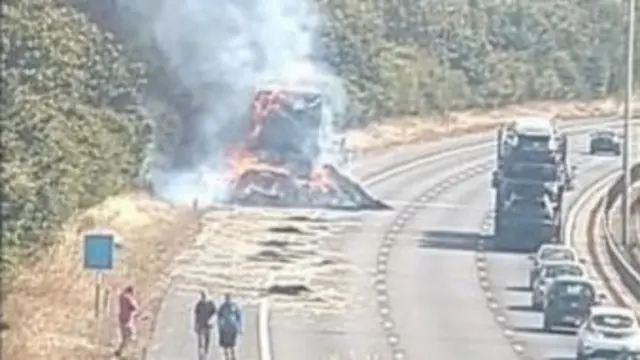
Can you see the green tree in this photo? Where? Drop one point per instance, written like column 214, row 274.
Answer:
column 72, row 130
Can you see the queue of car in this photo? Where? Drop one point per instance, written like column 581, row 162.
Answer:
column 567, row 297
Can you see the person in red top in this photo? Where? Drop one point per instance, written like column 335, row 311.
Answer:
column 127, row 311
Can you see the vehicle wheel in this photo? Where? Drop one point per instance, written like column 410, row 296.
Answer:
column 592, row 150
column 532, row 279
column 535, row 305
column 581, row 356
column 546, row 323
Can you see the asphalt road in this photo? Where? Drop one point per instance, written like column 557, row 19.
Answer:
column 438, row 306
column 509, row 274
column 435, row 297
column 357, row 334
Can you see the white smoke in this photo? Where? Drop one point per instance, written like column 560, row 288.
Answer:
column 220, row 50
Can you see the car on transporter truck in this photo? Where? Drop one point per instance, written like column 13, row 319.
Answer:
column 530, row 181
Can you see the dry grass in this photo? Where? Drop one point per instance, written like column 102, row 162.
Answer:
column 49, row 308
column 250, row 251
column 378, row 137
column 49, row 304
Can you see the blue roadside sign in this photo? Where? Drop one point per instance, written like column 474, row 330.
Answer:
column 99, row 251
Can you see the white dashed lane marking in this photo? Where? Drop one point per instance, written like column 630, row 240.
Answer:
column 484, row 278
column 385, row 250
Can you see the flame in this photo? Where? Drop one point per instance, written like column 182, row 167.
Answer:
column 245, row 166
column 321, row 180
column 240, row 161
column 265, row 103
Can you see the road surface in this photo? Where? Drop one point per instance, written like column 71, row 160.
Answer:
column 435, row 300
column 437, row 304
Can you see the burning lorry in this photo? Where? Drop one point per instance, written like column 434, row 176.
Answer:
column 280, row 161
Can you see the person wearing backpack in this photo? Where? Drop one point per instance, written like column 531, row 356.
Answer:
column 229, row 326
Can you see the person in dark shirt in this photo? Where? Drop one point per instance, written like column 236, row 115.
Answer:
column 128, row 311
column 204, row 311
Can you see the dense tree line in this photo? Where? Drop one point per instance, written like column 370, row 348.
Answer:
column 422, row 57
column 74, row 130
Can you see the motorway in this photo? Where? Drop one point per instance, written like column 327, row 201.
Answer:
column 429, row 288
column 443, row 294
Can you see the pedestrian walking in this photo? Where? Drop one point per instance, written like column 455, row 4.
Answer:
column 128, row 309
column 204, row 311
column 229, row 327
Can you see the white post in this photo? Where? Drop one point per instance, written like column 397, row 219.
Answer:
column 98, row 307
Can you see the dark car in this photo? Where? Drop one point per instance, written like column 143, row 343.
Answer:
column 568, row 302
column 605, row 141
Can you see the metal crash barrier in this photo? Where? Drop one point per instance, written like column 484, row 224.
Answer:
column 620, row 257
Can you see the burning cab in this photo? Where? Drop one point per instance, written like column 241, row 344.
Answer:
column 281, row 160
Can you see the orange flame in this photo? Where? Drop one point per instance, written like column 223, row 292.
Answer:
column 240, row 161
column 264, row 103
column 321, row 180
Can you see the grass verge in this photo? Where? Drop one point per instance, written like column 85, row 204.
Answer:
column 50, row 301
column 377, row 137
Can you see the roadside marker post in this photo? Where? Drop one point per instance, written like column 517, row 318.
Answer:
column 99, row 249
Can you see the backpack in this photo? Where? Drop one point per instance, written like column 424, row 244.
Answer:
column 229, row 317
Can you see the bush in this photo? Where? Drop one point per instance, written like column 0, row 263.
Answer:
column 72, row 132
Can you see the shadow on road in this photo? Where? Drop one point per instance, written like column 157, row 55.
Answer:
column 510, row 247
column 601, row 154
column 518, row 288
column 540, row 330
column 521, row 308
column 451, row 240
column 468, row 240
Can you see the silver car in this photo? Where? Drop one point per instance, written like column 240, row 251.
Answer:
column 548, row 252
column 550, row 270
column 610, row 332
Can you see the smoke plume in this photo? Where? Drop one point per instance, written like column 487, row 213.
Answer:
column 219, row 50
